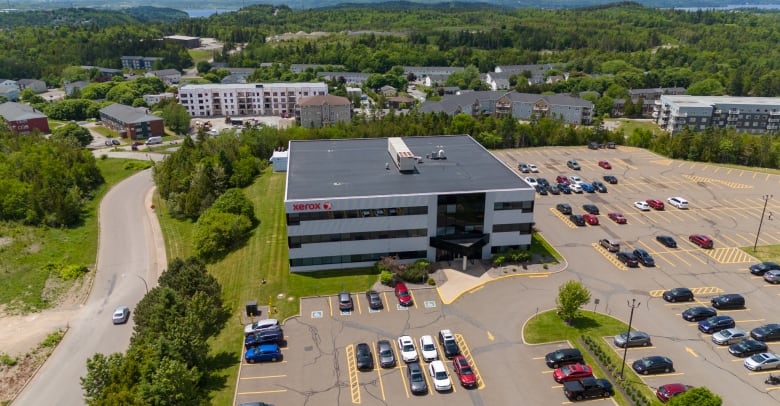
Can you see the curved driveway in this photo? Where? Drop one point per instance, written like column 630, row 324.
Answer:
column 130, row 257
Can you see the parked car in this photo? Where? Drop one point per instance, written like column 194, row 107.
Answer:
column 544, row 182
column 729, row 336
column 364, row 358
column 385, row 354
column 121, row 315
column 541, row 189
column 715, row 324
column 587, row 188
column 767, row 332
column 747, row 348
column 554, row 189
column 266, row 336
column 762, row 361
column 464, row 372
column 115, row 141
column 523, row 168
column 678, row 202
column 612, row 180
column 406, row 348
column 531, row 181
column 562, row 179
column 572, row 164
column 374, row 301
column 108, row 143
column 617, row 217
column 263, row 353
column 642, row 205
column 610, row 244
column 728, row 301
column 448, row 344
column 428, row 349
column 577, row 219
column 667, row 241
column 417, row 382
column 439, row 376
column 533, row 168
column 698, row 313
column 260, row 325
column 345, row 301
column 605, row 165
column 564, row 208
column 591, row 219
column 655, row 203
column 701, row 240
column 772, row 276
column 565, row 189
column 627, row 258
column 590, row 208
column 678, row 295
column 574, row 179
column 644, row 257
column 572, row 372
column 563, row 356
column 670, row 390
column 633, row 339
column 653, row 365
column 762, row 267
column 576, row 188
column 588, row 388
column 403, row 295
column 600, row 187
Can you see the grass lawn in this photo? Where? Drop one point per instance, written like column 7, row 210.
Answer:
column 629, row 125
column 764, row 252
column 108, row 133
column 200, row 55
column 27, row 250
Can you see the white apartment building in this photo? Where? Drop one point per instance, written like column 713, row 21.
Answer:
column 247, row 99
column 753, row 115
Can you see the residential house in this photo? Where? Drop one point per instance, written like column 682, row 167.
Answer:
column 139, row 62
column 152, row 99
column 301, row 67
column 421, row 71
column 133, row 123
column 354, row 93
column 388, row 91
column 536, row 72
column 103, row 74
column 433, row 80
column 9, row 82
column 9, row 92
column 72, row 87
column 37, row 86
column 350, row 78
column 168, row 76
column 234, row 78
column 319, row 111
column 400, row 102
column 498, row 80
column 23, row 118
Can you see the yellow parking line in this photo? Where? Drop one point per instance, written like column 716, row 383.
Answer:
column 387, row 302
column 330, row 305
column 414, row 299
column 354, row 382
column 466, row 352
column 403, row 378
column 264, row 377
column 378, row 369
column 357, row 300
column 750, row 321
column 263, row 392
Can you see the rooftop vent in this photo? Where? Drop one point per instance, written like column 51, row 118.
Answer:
column 438, row 155
column 401, row 155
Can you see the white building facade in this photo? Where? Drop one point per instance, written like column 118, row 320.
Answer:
column 247, row 99
column 753, row 115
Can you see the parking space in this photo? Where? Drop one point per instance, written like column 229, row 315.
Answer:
column 543, row 384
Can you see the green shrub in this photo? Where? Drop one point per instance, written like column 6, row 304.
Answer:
column 498, row 260
column 431, row 281
column 385, row 277
column 67, row 272
column 53, row 339
column 7, row 360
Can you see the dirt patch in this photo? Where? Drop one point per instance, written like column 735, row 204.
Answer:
column 13, row 378
column 5, row 241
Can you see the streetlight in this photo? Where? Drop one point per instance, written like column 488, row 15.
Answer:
column 633, row 306
column 146, row 286
column 766, row 200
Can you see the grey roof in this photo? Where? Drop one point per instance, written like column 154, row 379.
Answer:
column 657, row 90
column 329, row 169
column 11, row 111
column 235, row 78
column 458, row 102
column 556, row 99
column 521, row 68
column 164, row 72
column 127, row 114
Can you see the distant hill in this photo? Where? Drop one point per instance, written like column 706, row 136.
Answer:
column 89, row 16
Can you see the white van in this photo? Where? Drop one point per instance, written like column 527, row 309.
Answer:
column 154, row 140
column 678, row 202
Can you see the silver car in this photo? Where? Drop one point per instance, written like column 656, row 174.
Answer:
column 633, row 339
column 121, row 315
column 729, row 336
column 386, row 354
column 772, row 276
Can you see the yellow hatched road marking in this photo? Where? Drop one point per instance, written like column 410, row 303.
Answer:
column 562, row 217
column 354, row 383
column 466, row 352
column 706, row 290
column 610, row 257
column 730, row 256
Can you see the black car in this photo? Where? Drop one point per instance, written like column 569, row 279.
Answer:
column 588, row 388
column 678, row 295
column 591, row 208
column 273, row 335
column 541, row 189
column 667, row 241
column 577, row 219
column 544, row 182
column 728, row 301
column 374, row 301
column 715, row 324
column 600, row 187
column 414, row 374
column 564, row 356
column 653, row 365
column 747, row 348
column 365, row 361
column 699, row 313
column 767, row 332
column 612, row 180
column 564, row 208
column 448, row 344
column 763, row 267
column 565, row 189
column 644, row 257
column 627, row 258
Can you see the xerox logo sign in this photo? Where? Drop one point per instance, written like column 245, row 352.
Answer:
column 311, row 206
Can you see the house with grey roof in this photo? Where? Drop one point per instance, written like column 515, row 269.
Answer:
column 72, row 87
column 133, row 123
column 139, row 62
column 103, row 74
column 234, row 78
column 37, row 86
column 168, row 76
column 434, row 80
column 23, row 118
column 301, row 67
column 350, row 78
column 498, row 80
column 421, row 71
column 9, row 92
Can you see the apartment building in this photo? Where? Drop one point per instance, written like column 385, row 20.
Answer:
column 753, row 115
column 247, row 99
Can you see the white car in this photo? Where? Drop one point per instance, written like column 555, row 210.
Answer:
column 439, row 376
column 533, row 168
column 642, row 206
column 765, row 360
column 729, row 336
column 406, row 348
column 260, row 325
column 575, row 180
column 576, row 187
column 531, row 181
column 428, row 349
column 678, row 202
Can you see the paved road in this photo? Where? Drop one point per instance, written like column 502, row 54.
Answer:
column 130, row 257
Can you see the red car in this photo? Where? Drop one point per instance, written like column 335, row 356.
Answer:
column 670, row 390
column 591, row 219
column 617, row 218
column 605, row 165
column 701, row 240
column 464, row 372
column 655, row 203
column 403, row 295
column 572, row 372
column 562, row 179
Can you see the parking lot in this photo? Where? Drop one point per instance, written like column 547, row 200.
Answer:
column 725, row 204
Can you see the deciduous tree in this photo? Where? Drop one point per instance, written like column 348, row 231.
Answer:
column 571, row 296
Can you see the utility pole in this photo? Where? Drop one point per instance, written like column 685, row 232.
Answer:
column 766, row 200
column 633, row 305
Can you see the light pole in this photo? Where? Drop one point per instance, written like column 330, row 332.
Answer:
column 766, row 200
column 146, row 286
column 633, row 305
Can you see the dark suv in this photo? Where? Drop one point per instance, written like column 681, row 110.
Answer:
column 564, row 356
column 345, row 301
column 448, row 343
column 628, row 258
column 728, row 301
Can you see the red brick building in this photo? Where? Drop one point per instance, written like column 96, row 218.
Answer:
column 24, row 119
column 133, row 123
